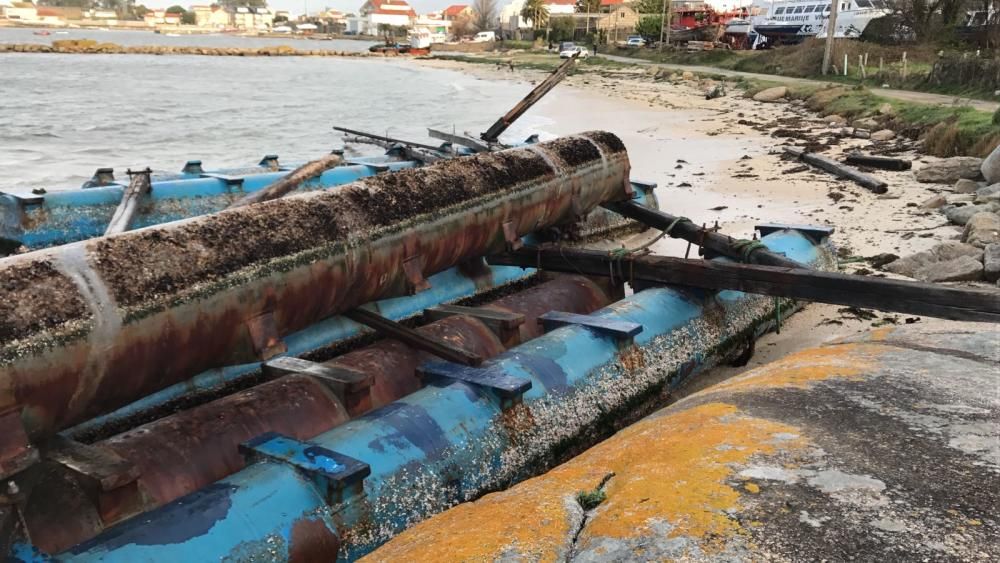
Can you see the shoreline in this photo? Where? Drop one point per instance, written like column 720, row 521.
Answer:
column 91, row 47
column 718, row 161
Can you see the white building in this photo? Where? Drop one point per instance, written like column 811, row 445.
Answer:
column 396, row 13
column 213, row 16
column 510, row 17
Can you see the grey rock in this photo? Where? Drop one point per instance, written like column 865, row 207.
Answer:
column 990, row 167
column 982, row 229
column 866, row 123
column 966, row 186
column 988, row 194
column 961, row 215
column 771, row 94
column 884, row 135
column 991, row 262
column 950, row 170
column 946, row 251
column 964, row 268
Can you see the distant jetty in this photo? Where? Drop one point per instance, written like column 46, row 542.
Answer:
column 89, row 46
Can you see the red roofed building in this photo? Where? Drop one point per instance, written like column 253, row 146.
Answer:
column 451, row 13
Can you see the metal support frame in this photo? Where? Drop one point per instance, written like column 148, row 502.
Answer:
column 339, row 476
column 193, row 167
column 111, row 479
column 620, row 330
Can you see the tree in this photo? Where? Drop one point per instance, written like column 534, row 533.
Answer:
column 141, row 10
column 588, row 6
column 484, row 13
column 649, row 27
column 175, row 9
column 536, row 12
column 563, row 28
column 189, row 18
column 463, row 26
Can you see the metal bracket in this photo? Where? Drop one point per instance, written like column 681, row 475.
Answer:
column 333, row 472
column 351, row 385
column 192, row 167
column 511, row 237
column 492, row 378
column 102, row 177
column 16, row 452
column 112, row 479
column 502, row 323
column 373, row 166
column 815, row 233
column 413, row 268
column 620, row 330
column 229, row 180
column 270, row 161
column 264, row 336
column 643, row 185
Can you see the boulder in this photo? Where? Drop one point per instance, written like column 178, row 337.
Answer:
column 835, row 120
column 964, row 268
column 966, row 186
column 990, row 168
column 771, row 94
column 688, row 75
column 886, row 109
column 982, row 229
column 961, row 215
column 866, row 123
column 914, row 264
column 884, row 135
column 988, row 194
column 991, row 262
column 950, row 170
column 934, row 202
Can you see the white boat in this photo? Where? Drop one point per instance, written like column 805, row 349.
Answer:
column 790, row 21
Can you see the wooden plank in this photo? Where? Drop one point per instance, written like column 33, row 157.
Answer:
column 718, row 243
column 352, row 380
column 504, row 320
column 493, row 133
column 612, row 327
column 838, row 169
column 138, row 186
column 103, row 467
column 291, row 182
column 882, row 162
column 491, row 377
column 385, row 139
column 413, row 338
column 914, row 298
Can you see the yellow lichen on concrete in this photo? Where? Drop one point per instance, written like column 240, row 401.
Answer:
column 801, row 369
column 672, row 468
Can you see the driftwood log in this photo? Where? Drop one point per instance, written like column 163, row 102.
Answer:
column 139, row 185
column 292, row 181
column 838, row 169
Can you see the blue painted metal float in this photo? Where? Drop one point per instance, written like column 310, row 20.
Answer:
column 469, row 431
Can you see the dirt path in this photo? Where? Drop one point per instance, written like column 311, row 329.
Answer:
column 901, row 95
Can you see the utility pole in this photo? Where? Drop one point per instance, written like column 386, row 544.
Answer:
column 831, row 31
column 663, row 22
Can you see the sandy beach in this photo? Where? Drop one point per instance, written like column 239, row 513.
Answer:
column 719, row 161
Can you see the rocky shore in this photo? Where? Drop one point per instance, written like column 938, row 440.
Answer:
column 91, row 47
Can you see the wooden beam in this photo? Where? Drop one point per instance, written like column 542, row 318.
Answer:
column 914, row 298
column 407, row 335
column 385, row 139
column 718, row 243
column 838, row 169
column 493, row 133
column 139, row 185
column 292, row 181
column 462, row 140
column 882, row 162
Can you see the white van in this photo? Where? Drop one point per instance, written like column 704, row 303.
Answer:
column 484, row 36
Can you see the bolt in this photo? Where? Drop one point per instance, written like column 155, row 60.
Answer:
column 12, row 488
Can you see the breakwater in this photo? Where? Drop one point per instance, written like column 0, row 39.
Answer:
column 92, row 47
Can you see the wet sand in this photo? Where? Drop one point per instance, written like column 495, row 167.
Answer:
column 702, row 159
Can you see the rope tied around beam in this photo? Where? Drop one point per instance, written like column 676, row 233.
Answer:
column 619, row 254
column 747, row 247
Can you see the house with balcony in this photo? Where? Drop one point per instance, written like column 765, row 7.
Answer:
column 373, row 13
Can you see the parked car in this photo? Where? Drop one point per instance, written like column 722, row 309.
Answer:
column 635, row 41
column 484, row 36
column 568, row 53
column 566, row 46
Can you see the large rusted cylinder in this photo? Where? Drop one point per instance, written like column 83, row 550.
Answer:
column 182, row 453
column 90, row 326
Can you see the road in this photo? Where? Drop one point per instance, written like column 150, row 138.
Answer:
column 901, row 95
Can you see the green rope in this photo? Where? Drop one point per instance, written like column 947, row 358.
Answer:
column 623, row 252
column 747, row 247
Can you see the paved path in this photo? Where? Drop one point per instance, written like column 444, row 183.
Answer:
column 902, row 95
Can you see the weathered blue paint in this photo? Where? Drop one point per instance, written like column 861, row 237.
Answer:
column 455, row 442
column 60, row 217
column 446, row 287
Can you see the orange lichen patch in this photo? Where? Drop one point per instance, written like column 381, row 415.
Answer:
column 752, row 487
column 843, row 361
column 671, row 468
column 880, row 334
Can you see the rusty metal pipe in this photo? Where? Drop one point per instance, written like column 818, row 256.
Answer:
column 191, row 449
column 90, row 326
